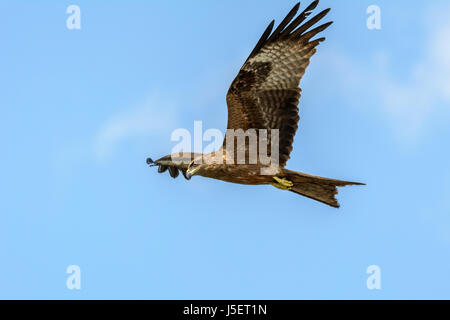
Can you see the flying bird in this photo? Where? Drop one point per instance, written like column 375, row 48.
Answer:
column 265, row 95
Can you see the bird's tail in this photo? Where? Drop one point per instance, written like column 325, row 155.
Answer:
column 314, row 187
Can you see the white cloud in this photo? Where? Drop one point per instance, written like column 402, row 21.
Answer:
column 143, row 120
column 427, row 85
column 407, row 100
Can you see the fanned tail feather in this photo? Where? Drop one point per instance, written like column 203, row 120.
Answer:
column 317, row 188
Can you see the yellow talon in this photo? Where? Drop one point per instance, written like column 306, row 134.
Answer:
column 282, row 183
column 279, row 186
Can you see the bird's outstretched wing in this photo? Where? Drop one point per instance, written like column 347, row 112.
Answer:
column 265, row 93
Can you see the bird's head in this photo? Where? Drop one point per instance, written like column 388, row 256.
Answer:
column 174, row 163
column 195, row 167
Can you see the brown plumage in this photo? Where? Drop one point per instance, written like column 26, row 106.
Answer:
column 265, row 95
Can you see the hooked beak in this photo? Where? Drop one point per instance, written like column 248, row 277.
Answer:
column 190, row 172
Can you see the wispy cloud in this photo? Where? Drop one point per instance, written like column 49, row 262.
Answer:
column 409, row 99
column 427, row 85
column 139, row 121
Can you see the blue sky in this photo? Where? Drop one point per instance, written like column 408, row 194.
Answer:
column 82, row 109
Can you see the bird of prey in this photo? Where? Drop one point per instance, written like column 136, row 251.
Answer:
column 265, row 95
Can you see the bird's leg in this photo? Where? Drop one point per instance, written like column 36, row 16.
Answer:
column 282, row 183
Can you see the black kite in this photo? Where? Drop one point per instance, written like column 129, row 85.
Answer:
column 265, row 95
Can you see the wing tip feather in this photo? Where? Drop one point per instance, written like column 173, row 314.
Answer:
column 289, row 26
